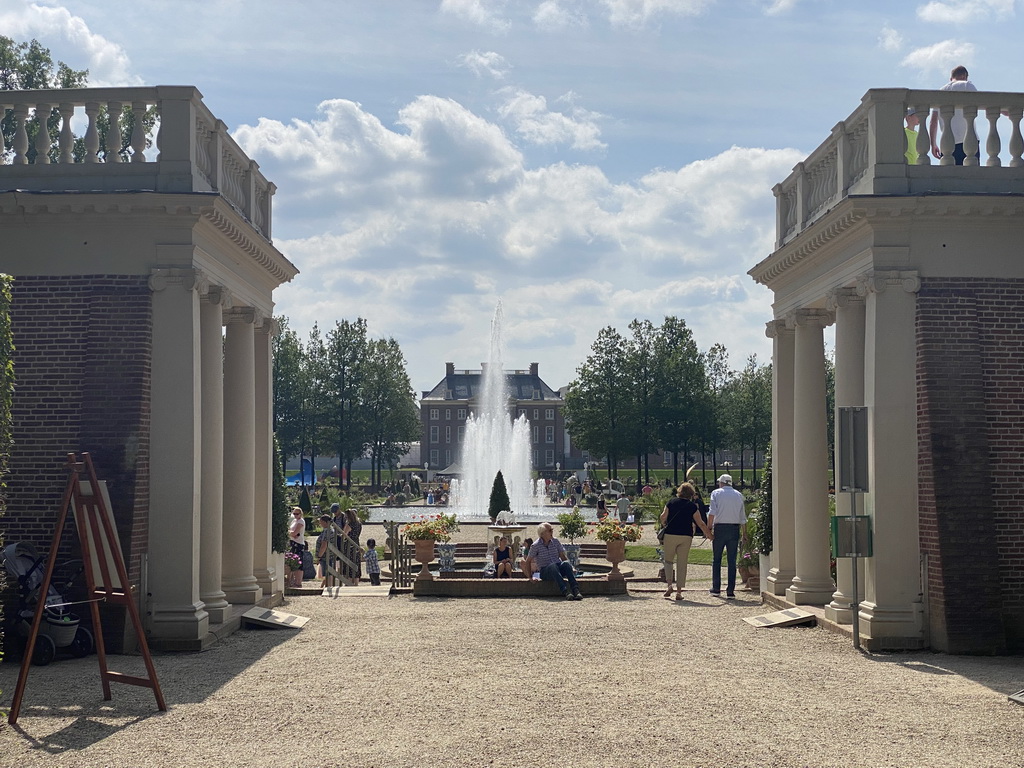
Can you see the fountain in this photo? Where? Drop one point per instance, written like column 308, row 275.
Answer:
column 493, row 441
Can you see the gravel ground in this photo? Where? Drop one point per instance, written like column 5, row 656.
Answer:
column 630, row 680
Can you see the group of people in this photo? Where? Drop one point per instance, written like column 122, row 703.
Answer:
column 683, row 520
column 335, row 525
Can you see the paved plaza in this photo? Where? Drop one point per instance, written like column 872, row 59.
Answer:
column 634, row 680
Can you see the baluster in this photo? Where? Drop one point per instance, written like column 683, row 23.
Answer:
column 20, row 142
column 1016, row 140
column 924, row 141
column 992, row 144
column 42, row 141
column 112, row 150
column 138, row 132
column 66, row 141
column 92, row 134
column 971, row 138
column 946, row 143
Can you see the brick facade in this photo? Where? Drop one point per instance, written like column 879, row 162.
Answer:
column 82, row 366
column 970, row 374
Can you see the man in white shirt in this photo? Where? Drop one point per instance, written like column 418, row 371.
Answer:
column 726, row 517
column 958, row 81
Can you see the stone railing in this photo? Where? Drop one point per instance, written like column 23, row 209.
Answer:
column 193, row 151
column 866, row 154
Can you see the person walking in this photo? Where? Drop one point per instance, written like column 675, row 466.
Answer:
column 958, row 81
column 726, row 516
column 682, row 519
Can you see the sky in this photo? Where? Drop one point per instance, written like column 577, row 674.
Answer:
column 584, row 162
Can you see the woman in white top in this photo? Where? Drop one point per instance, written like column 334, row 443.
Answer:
column 297, row 532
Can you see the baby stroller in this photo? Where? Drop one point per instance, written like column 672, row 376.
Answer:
column 59, row 627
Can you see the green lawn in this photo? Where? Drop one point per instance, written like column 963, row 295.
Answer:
column 647, row 554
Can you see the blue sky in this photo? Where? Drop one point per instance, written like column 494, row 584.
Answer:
column 586, row 162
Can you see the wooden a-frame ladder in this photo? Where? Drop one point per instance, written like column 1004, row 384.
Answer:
column 106, row 578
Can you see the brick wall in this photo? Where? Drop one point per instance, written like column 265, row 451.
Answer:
column 82, row 360
column 970, row 373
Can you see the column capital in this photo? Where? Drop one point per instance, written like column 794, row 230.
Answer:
column 217, row 294
column 880, row 281
column 842, row 297
column 187, row 278
column 777, row 328
column 240, row 316
column 268, row 325
column 821, row 318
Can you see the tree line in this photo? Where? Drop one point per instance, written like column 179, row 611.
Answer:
column 653, row 390
column 343, row 393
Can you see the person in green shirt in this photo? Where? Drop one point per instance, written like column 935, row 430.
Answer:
column 912, row 121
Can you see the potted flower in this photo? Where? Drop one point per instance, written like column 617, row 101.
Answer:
column 574, row 526
column 615, row 534
column 424, row 531
column 293, row 565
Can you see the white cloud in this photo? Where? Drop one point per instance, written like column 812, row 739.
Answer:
column 964, row 11
column 532, row 119
column 558, row 15
column 777, row 7
column 482, row 13
column 889, row 39
column 107, row 62
column 482, row 63
column 637, row 13
column 422, row 227
column 939, row 57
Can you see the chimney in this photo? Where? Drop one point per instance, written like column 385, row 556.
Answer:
column 449, row 369
column 534, row 368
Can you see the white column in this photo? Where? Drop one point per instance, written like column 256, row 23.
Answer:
column 212, row 483
column 783, row 556
column 892, row 605
column 238, row 581
column 263, row 471
column 173, row 564
column 849, row 389
column 812, row 584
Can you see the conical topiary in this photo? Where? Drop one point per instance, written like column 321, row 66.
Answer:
column 499, row 501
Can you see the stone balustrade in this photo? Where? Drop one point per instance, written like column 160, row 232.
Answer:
column 193, row 151
column 865, row 154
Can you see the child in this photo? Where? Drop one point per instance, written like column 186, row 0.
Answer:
column 372, row 566
column 503, row 559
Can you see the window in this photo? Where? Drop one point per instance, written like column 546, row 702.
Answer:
column 536, row 458
column 447, row 414
column 447, row 434
column 433, row 434
column 549, row 458
column 447, row 458
column 549, row 414
column 535, row 432
column 667, row 459
column 536, row 414
column 549, row 434
column 462, row 413
column 461, row 434
column 435, row 414
column 522, row 412
column 434, row 461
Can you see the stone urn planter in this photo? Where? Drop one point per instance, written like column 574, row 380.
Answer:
column 424, row 554
column 445, row 557
column 615, row 555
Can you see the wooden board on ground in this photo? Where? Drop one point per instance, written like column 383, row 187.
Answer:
column 1017, row 697
column 787, row 618
column 267, row 617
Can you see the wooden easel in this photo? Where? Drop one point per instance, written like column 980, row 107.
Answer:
column 101, row 552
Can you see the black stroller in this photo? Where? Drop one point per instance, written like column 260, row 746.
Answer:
column 59, row 627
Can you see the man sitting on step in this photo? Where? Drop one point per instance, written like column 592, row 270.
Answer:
column 547, row 555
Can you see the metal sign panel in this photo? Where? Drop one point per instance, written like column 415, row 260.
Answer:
column 844, row 543
column 852, row 428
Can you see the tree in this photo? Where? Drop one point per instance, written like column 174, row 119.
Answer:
column 389, row 404
column 347, row 351
column 499, row 501
column 681, row 384
column 288, row 391
column 718, row 376
column 597, row 403
column 641, row 370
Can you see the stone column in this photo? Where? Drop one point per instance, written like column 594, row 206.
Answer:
column 175, row 609
column 892, row 605
column 783, row 556
column 212, row 483
column 263, row 469
column 812, row 584
column 237, row 580
column 849, row 308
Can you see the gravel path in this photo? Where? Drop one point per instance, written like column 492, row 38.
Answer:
column 632, row 680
